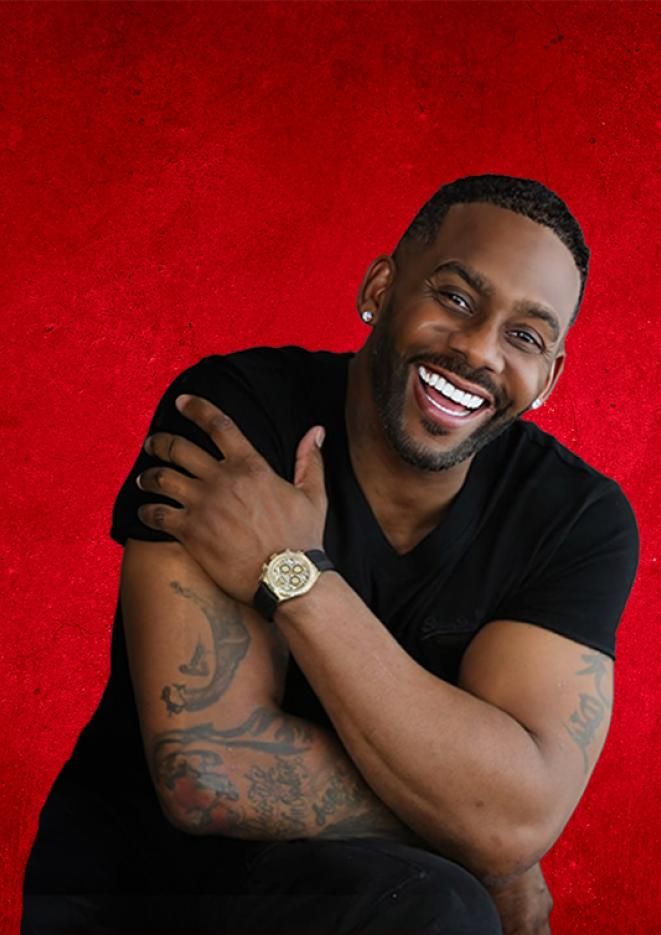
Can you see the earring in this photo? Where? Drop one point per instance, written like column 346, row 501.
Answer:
column 536, row 404
column 367, row 316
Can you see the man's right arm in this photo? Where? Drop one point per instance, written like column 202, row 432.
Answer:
column 208, row 676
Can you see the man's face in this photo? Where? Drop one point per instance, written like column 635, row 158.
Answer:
column 485, row 308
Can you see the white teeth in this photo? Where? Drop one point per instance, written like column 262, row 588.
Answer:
column 469, row 400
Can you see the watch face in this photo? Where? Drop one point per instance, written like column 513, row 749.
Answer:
column 290, row 573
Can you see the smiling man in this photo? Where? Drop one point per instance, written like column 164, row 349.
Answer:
column 358, row 688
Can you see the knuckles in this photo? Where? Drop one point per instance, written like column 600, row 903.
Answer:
column 155, row 476
column 220, row 422
column 159, row 516
column 162, row 445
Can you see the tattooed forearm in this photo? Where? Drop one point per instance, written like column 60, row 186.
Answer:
column 593, row 707
column 230, row 642
column 278, row 796
column 338, row 791
column 271, row 777
column 188, row 766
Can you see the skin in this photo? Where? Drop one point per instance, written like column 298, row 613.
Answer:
column 408, row 471
column 409, row 468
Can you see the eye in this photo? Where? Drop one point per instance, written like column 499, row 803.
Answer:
column 454, row 295
column 529, row 339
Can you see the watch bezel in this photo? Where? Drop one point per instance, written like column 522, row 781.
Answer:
column 269, row 571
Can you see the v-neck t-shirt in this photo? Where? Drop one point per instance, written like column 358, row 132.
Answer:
column 535, row 534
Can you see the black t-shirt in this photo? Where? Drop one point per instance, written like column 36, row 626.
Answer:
column 535, row 534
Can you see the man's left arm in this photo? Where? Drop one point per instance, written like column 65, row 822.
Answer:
column 488, row 771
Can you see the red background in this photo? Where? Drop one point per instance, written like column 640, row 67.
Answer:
column 180, row 179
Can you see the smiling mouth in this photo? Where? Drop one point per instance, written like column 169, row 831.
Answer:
column 449, row 400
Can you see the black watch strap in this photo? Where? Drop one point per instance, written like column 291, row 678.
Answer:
column 319, row 558
column 265, row 601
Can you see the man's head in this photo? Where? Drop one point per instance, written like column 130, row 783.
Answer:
column 480, row 290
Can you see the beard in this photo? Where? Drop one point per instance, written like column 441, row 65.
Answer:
column 389, row 374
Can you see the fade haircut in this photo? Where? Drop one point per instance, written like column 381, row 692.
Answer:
column 524, row 196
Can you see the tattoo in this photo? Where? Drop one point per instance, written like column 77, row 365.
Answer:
column 341, row 791
column 288, row 735
column 187, row 763
column 230, row 640
column 592, row 708
column 278, row 794
column 198, row 664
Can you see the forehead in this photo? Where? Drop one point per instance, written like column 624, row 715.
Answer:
column 519, row 257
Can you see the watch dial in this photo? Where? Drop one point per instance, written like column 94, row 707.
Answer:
column 289, row 573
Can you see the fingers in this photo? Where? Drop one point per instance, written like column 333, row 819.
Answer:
column 170, row 483
column 309, row 470
column 181, row 452
column 161, row 517
column 163, row 480
column 217, row 425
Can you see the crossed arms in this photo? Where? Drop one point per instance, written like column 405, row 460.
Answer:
column 486, row 773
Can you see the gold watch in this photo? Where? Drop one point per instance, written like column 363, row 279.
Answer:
column 288, row 574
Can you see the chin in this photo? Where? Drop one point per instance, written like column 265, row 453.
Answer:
column 427, row 455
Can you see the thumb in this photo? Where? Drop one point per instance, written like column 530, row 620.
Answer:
column 309, row 470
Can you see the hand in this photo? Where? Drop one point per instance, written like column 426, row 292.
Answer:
column 524, row 904
column 236, row 512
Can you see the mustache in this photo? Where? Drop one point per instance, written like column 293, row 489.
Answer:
column 459, row 368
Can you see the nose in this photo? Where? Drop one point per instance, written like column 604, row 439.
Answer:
column 478, row 341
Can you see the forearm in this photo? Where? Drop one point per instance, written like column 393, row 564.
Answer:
column 272, row 776
column 463, row 774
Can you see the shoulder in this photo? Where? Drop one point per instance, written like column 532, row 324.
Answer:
column 572, row 542
column 284, row 358
column 261, row 374
column 559, row 482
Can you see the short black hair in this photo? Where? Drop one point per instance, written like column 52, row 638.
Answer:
column 524, row 196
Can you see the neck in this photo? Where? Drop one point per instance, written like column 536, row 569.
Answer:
column 400, row 495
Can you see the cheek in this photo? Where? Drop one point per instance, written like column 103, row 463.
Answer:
column 526, row 382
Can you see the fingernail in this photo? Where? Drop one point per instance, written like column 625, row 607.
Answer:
column 319, row 438
column 137, row 480
column 147, row 445
column 181, row 401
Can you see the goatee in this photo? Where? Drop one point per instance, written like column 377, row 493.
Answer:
column 389, row 374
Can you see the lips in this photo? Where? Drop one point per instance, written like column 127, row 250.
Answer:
column 459, row 383
column 436, row 410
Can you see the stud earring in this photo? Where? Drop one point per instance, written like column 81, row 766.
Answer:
column 536, row 404
column 367, row 316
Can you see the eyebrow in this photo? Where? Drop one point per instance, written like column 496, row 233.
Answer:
column 484, row 287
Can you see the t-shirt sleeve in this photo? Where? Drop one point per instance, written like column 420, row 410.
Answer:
column 581, row 589
column 219, row 380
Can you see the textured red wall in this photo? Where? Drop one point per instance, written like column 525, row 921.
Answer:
column 180, row 179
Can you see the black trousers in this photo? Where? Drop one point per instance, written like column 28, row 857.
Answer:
column 99, row 870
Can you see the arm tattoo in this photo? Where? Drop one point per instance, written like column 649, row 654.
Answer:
column 592, row 707
column 276, row 793
column 339, row 791
column 230, row 641
column 275, row 790
column 187, row 763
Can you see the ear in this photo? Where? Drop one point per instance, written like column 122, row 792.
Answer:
column 557, row 367
column 376, row 284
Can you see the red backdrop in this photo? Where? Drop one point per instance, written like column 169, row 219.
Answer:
column 180, row 179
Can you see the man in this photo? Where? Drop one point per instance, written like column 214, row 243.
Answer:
column 372, row 679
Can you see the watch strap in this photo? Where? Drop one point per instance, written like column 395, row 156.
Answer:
column 319, row 558
column 266, row 602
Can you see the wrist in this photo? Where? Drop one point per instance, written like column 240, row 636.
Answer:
column 298, row 610
column 287, row 575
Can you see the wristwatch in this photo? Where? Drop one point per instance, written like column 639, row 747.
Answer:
column 288, row 574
